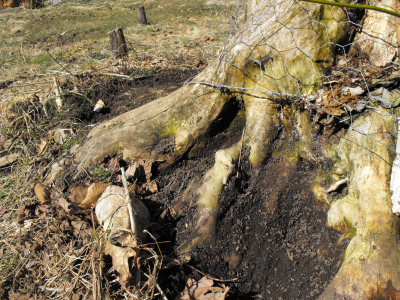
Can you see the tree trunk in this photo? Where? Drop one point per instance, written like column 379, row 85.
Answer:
column 284, row 51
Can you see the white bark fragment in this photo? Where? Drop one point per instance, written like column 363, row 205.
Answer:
column 58, row 92
column 354, row 91
column 99, row 106
column 395, row 177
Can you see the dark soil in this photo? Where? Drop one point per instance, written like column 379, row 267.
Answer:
column 120, row 94
column 271, row 239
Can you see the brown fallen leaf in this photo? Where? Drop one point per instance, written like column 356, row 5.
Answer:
column 21, row 214
column 44, row 143
column 120, row 260
column 93, row 194
column 147, row 165
column 65, row 205
column 203, row 290
column 8, row 159
column 78, row 193
column 17, row 296
column 113, row 165
column 78, row 226
column 42, row 193
column 25, row 211
column 130, row 172
column 152, row 186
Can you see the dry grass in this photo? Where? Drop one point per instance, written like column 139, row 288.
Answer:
column 76, row 34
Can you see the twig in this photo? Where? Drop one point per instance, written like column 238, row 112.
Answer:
column 57, row 91
column 240, row 153
column 152, row 236
column 356, row 6
column 128, row 202
column 158, row 288
column 58, row 72
column 213, row 278
column 59, row 63
column 116, row 75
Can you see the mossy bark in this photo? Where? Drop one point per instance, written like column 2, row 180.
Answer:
column 371, row 265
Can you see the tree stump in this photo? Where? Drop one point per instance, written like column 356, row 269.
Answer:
column 118, row 44
column 142, row 16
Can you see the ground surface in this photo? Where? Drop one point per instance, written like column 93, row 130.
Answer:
column 271, row 239
column 271, row 235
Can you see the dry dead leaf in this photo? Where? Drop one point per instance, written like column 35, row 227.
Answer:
column 78, row 193
column 203, row 290
column 21, row 214
column 64, row 204
column 8, row 159
column 93, row 194
column 17, row 296
column 25, row 210
column 113, row 165
column 120, row 260
column 55, row 172
column 61, row 135
column 152, row 186
column 130, row 172
column 42, row 194
column 42, row 146
column 78, row 226
column 147, row 164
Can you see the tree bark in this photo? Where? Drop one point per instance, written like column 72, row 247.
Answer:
column 141, row 13
column 118, row 44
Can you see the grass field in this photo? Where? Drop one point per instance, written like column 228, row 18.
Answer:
column 75, row 34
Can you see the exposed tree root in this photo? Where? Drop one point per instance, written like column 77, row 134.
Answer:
column 371, row 266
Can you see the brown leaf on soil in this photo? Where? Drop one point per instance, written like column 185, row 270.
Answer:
column 78, row 193
column 17, row 296
column 337, row 102
column 42, row 193
column 147, row 164
column 203, row 290
column 152, row 186
column 120, row 260
column 93, row 194
column 21, row 214
column 113, row 165
column 44, row 143
column 8, row 159
column 25, row 210
column 65, row 205
column 78, row 227
column 130, row 172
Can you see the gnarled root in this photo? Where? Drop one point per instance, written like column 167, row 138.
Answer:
column 371, row 266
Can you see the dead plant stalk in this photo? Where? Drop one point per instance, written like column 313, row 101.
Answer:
column 128, row 201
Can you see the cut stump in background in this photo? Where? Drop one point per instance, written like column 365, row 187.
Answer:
column 141, row 13
column 118, row 44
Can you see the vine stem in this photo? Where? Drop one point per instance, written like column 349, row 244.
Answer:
column 356, row 6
